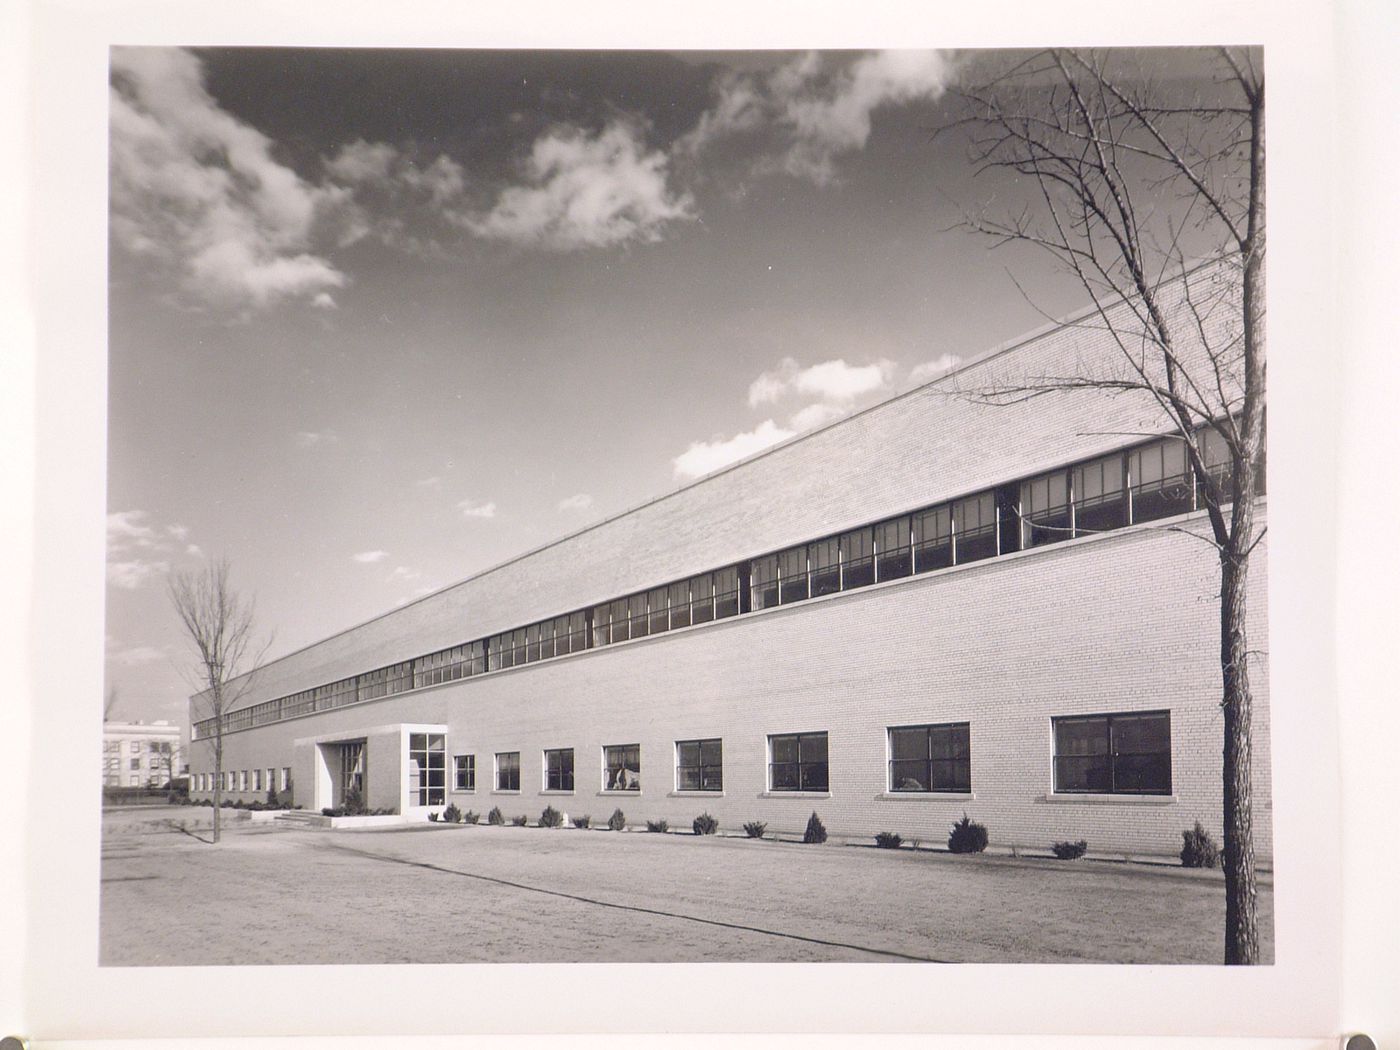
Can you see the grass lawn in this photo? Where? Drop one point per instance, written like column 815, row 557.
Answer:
column 453, row 893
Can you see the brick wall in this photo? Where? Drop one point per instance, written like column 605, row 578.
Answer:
column 1120, row 622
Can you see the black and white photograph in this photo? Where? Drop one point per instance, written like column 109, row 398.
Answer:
column 635, row 504
column 764, row 524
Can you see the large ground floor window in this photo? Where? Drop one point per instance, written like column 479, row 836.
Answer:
column 622, row 767
column 427, row 769
column 700, row 765
column 463, row 772
column 930, row 758
column 559, row 769
column 508, row 771
column 1129, row 754
column 798, row 762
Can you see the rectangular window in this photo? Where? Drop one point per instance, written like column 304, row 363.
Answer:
column 726, row 592
column 1129, row 754
column 242, row 780
column 559, row 769
column 657, row 611
column 1219, row 464
column 532, row 643
column 619, row 626
column 1160, row 485
column 792, row 575
column 1045, row 513
column 700, row 765
column 135, row 763
column 857, row 558
column 824, row 557
column 764, row 582
column 930, row 758
column 637, row 615
column 257, row 780
column 933, row 539
column 136, row 747
column 463, row 772
column 798, row 762
column 271, row 779
column 546, row 629
column 678, row 599
column 427, row 769
column 1099, row 500
column 517, row 645
column 975, row 528
column 286, row 782
column 508, row 771
column 622, row 767
column 893, row 549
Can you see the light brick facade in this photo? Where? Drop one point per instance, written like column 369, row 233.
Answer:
column 1119, row 622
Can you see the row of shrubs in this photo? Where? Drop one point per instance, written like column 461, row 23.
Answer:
column 967, row 836
column 256, row 805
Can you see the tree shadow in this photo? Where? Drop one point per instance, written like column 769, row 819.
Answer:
column 180, row 827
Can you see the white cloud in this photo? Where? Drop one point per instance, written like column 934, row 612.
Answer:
column 128, row 528
column 831, row 381
column 178, row 531
column 369, row 557
column 312, row 438
column 815, row 415
column 195, row 550
column 586, row 191
column 583, row 501
column 429, row 483
column 198, row 190
column 815, row 113
column 932, row 369
column 705, row 457
column 362, row 161
column 403, row 572
column 324, row 301
column 131, row 574
column 476, row 510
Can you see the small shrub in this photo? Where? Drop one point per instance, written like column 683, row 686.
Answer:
column 705, row 824
column 1069, row 850
column 452, row 815
column 583, row 821
column 495, row 816
column 471, row 818
column 520, row 821
column 1198, row 849
column 617, row 821
column 273, row 802
column 888, row 840
column 968, row 836
column 754, row 829
column 326, row 811
column 551, row 818
column 816, row 830
column 658, row 826
column 432, row 817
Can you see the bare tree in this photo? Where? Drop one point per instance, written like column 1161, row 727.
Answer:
column 219, row 625
column 1134, row 183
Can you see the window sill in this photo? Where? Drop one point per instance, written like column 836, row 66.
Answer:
column 463, row 791
column 1112, row 800
column 795, row 794
column 556, row 791
column 695, row 794
column 924, row 796
column 620, row 794
column 506, row 791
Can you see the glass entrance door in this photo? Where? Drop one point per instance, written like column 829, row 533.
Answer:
column 350, row 784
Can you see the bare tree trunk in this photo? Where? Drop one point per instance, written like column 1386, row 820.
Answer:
column 1241, row 933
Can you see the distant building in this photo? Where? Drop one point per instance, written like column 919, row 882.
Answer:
column 140, row 754
column 937, row 606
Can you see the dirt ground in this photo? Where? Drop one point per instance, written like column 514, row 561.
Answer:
column 456, row 893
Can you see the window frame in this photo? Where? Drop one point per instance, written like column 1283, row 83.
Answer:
column 701, row 766
column 464, row 784
column 562, row 777
column 431, row 789
column 802, row 786
column 963, row 788
column 1111, row 754
column 608, row 778
column 500, row 769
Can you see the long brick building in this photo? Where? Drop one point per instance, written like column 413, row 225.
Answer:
column 937, row 606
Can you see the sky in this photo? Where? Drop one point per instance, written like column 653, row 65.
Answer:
column 379, row 320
